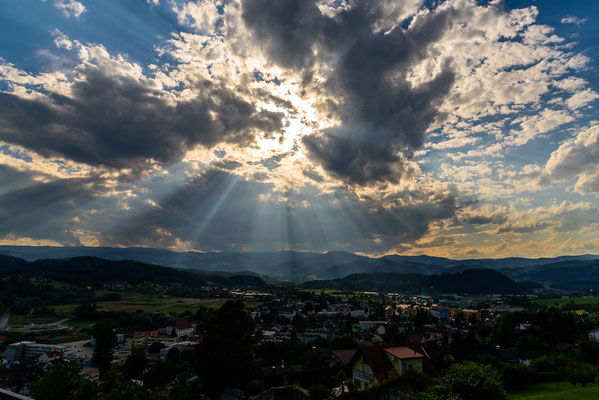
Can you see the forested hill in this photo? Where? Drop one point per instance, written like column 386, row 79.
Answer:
column 297, row 266
column 94, row 271
column 473, row 281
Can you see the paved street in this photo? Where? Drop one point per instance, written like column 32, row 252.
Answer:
column 4, row 320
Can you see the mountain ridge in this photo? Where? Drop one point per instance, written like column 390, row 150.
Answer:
column 290, row 265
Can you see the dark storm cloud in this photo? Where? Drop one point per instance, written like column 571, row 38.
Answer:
column 539, row 226
column 13, row 179
column 43, row 210
column 384, row 117
column 221, row 211
column 287, row 29
column 118, row 122
column 229, row 165
column 484, row 220
column 315, row 176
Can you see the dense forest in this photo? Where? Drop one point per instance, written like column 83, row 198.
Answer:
column 472, row 281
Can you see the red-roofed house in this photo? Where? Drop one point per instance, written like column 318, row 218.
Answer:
column 180, row 328
column 377, row 363
column 286, row 312
column 404, row 358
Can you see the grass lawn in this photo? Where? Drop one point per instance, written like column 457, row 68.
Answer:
column 556, row 391
column 559, row 302
column 16, row 319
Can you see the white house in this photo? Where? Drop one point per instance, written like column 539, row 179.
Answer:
column 594, row 335
column 287, row 312
column 180, row 328
column 368, row 325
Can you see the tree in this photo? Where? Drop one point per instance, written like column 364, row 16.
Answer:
column 318, row 392
column 530, row 343
column 344, row 342
column 86, row 312
column 155, row 347
column 61, row 381
column 582, row 376
column 113, row 387
column 516, row 375
column 473, row 381
column 416, row 380
column 503, row 332
column 103, row 333
column 225, row 357
column 135, row 364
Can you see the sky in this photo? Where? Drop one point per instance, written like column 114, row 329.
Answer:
column 457, row 128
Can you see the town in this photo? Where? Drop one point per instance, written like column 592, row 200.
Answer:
column 296, row 342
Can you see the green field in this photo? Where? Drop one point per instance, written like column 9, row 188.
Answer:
column 79, row 324
column 16, row 319
column 579, row 301
column 556, row 391
column 210, row 303
column 131, row 302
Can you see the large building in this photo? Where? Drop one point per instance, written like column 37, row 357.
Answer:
column 30, row 350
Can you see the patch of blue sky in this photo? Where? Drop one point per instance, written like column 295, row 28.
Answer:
column 132, row 28
column 585, row 34
column 15, row 153
column 25, row 28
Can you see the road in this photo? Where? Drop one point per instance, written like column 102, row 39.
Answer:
column 4, row 320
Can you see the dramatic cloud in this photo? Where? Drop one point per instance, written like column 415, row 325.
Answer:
column 382, row 115
column 118, row 122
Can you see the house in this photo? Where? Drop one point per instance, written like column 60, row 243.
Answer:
column 180, row 328
column 368, row 325
column 327, row 314
column 358, row 313
column 181, row 346
column 594, row 334
column 342, row 358
column 420, row 338
column 404, row 359
column 379, row 362
column 286, row 312
column 49, row 356
column 372, row 367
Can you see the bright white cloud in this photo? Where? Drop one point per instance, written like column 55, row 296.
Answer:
column 573, row 20
column 70, row 8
